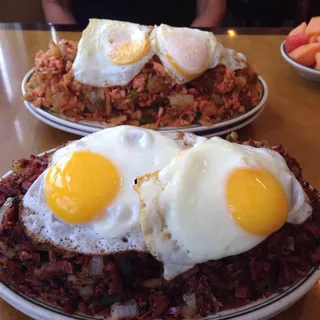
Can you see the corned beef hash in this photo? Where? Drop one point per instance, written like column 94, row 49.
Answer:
column 125, row 73
column 131, row 223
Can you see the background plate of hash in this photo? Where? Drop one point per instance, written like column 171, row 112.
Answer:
column 210, row 133
column 94, row 126
column 261, row 309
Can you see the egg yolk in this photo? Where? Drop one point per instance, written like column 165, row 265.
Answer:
column 257, row 201
column 129, row 51
column 182, row 72
column 79, row 187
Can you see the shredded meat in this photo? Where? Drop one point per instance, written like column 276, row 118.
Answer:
column 63, row 278
column 53, row 87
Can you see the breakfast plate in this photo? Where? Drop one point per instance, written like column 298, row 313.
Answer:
column 208, row 133
column 237, row 126
column 91, row 127
column 258, row 310
column 53, row 124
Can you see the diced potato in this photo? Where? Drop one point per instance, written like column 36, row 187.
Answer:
column 313, row 39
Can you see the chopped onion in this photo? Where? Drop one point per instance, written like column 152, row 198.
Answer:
column 126, row 310
column 58, row 100
column 152, row 283
column 174, row 310
column 290, row 243
column 72, row 279
column 181, row 100
column 95, row 266
column 190, row 300
column 86, row 292
column 5, row 207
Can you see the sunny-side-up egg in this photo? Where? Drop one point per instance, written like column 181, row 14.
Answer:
column 85, row 202
column 187, row 53
column 112, row 53
column 215, row 200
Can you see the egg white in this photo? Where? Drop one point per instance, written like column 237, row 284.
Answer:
column 184, row 213
column 134, row 151
column 193, row 50
column 93, row 65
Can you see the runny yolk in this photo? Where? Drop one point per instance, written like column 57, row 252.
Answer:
column 79, row 187
column 257, row 201
column 129, row 51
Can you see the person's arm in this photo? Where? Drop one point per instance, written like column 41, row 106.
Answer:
column 57, row 11
column 209, row 13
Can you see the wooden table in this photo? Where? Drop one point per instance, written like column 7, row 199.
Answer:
column 292, row 115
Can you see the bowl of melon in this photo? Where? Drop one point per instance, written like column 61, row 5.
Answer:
column 302, row 49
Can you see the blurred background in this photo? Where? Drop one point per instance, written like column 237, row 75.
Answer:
column 269, row 13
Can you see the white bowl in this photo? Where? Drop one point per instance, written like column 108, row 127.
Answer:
column 306, row 72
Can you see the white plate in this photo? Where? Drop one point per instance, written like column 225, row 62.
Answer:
column 95, row 126
column 209, row 133
column 258, row 310
column 229, row 129
column 53, row 124
column 308, row 73
column 261, row 309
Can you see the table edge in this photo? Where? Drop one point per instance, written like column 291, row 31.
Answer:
column 75, row 27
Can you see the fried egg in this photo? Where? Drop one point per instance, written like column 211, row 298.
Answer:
column 215, row 200
column 85, row 202
column 112, row 53
column 187, row 53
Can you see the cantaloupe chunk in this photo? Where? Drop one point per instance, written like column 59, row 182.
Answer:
column 314, row 38
column 306, row 54
column 313, row 26
column 299, row 29
column 317, row 67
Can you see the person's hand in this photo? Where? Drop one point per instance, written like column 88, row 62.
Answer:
column 57, row 11
column 210, row 13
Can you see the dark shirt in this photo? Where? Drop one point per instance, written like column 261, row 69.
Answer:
column 149, row 12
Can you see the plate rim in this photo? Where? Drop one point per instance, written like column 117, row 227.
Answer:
column 236, row 127
column 194, row 128
column 55, row 124
column 42, row 310
column 208, row 134
column 34, row 309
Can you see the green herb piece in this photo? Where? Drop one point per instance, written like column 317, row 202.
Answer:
column 108, row 299
column 133, row 95
column 147, row 118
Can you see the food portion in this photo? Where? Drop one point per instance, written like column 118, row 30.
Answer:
column 303, row 43
column 125, row 73
column 230, row 223
column 111, row 53
column 188, row 217
column 187, row 53
column 84, row 200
